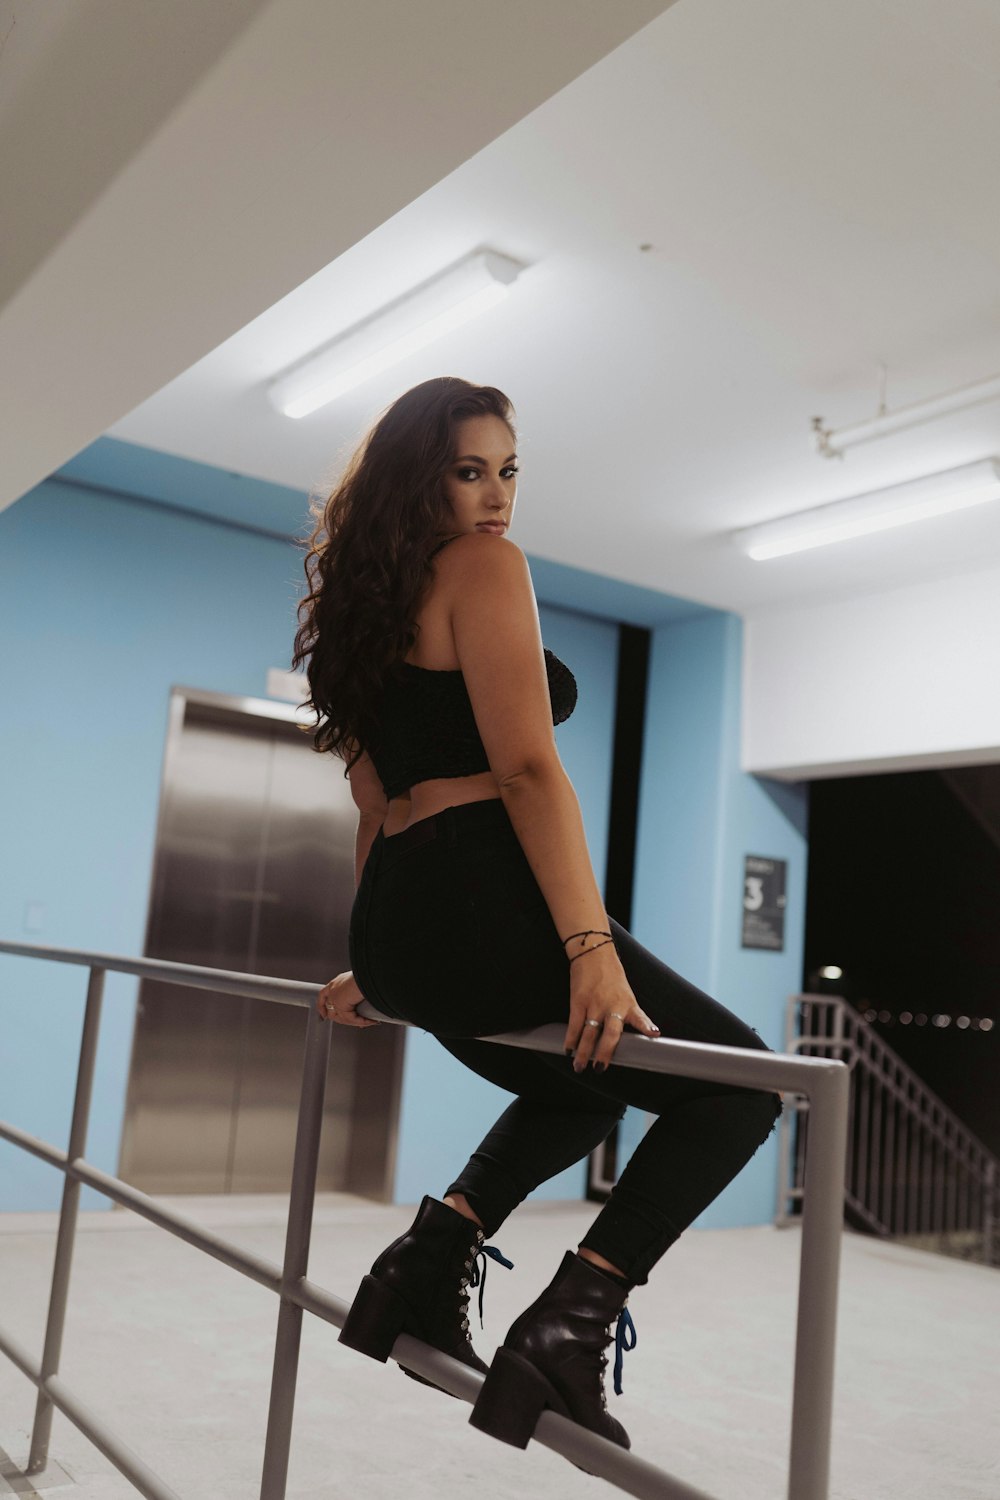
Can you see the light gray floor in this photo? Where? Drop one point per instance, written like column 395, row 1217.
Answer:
column 175, row 1351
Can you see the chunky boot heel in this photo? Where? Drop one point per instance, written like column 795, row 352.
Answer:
column 554, row 1356
column 375, row 1320
column 420, row 1285
column 513, row 1397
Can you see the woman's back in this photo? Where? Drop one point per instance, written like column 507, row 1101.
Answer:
column 434, row 648
column 431, row 755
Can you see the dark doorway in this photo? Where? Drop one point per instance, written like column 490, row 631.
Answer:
column 904, row 896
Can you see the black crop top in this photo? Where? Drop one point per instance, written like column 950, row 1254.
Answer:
column 428, row 729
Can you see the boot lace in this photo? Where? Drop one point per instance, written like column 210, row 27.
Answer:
column 477, row 1277
column 626, row 1339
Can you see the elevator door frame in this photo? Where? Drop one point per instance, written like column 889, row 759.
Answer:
column 363, row 1177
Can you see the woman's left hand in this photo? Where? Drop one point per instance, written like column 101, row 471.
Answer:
column 339, row 1000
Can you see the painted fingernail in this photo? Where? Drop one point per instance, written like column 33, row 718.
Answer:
column 600, row 1067
column 569, row 1051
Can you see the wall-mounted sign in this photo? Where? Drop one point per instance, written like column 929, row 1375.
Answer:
column 764, row 902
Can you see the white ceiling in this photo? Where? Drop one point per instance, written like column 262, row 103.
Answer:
column 817, row 184
column 224, row 152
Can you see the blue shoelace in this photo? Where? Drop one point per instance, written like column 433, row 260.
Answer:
column 478, row 1278
column 625, row 1341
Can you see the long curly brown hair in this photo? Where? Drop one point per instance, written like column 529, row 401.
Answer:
column 368, row 558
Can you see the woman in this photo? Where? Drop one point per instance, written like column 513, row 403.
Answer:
column 477, row 910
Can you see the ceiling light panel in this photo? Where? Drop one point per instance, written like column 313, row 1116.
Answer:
column 399, row 329
column 877, row 510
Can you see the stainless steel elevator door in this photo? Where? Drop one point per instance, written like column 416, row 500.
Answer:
column 254, row 871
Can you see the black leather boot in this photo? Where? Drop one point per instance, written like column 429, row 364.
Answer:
column 420, row 1285
column 554, row 1357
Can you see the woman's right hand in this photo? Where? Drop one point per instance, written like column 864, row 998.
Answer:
column 339, row 999
column 599, row 991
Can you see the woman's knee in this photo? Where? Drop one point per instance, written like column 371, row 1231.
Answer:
column 753, row 1114
column 767, row 1112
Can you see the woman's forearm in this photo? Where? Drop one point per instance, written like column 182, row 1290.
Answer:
column 544, row 809
column 368, row 827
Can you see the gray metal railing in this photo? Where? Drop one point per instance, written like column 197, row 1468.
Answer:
column 823, row 1081
column 914, row 1171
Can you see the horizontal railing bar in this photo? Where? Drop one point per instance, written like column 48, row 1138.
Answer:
column 19, row 1356
column 692, row 1059
column 93, row 1427
column 265, row 1272
column 740, row 1065
column 686, row 1059
column 316, row 1299
column 626, row 1471
column 819, row 1079
column 31, row 1143
column 827, row 1043
column 605, row 1459
column 863, row 1212
column 225, row 981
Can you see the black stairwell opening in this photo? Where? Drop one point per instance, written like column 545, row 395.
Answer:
column 623, row 814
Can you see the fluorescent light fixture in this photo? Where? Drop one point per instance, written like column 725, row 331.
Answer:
column 399, row 329
column 878, row 510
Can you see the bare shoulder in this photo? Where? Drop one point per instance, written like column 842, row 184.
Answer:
column 480, row 549
column 476, row 558
column 495, row 630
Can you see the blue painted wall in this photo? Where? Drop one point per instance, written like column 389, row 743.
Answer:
column 104, row 604
column 699, row 815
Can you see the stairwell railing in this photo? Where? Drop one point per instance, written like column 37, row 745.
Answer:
column 913, row 1171
column 823, row 1081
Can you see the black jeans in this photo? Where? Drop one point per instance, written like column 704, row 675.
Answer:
column 450, row 931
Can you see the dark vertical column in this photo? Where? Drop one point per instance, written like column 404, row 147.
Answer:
column 623, row 817
column 630, row 718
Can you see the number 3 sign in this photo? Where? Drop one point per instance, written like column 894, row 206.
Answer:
column 764, row 902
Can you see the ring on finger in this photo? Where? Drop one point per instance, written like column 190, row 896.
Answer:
column 593, row 1023
column 614, row 1016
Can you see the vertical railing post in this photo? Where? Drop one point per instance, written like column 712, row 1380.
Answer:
column 783, row 1214
column 785, row 1181
column 38, row 1456
column 278, row 1442
column 991, row 1216
column 889, row 1155
column 839, row 1030
column 819, row 1264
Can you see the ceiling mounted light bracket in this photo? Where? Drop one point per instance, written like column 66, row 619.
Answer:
column 877, row 510
column 426, row 312
column 833, row 442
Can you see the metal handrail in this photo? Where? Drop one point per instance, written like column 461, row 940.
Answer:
column 914, row 1170
column 824, row 1082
